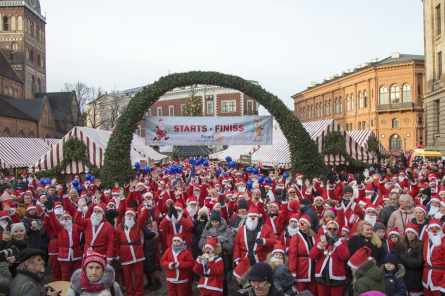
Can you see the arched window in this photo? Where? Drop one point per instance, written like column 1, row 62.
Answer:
column 316, row 110
column 304, row 113
column 326, row 110
column 38, row 60
column 39, row 85
column 372, row 122
column 406, row 93
column 32, row 56
column 32, row 29
column 336, row 105
column 359, row 125
column 5, row 23
column 350, row 126
column 348, row 104
column 347, row 127
column 383, row 95
column 395, row 143
column 6, row 133
column 365, row 95
column 364, row 125
column 394, row 93
column 330, row 107
column 352, row 102
column 341, row 105
column 395, row 123
column 27, row 53
column 21, row 134
column 31, row 135
column 42, row 63
column 360, row 100
column 33, row 85
column 13, row 24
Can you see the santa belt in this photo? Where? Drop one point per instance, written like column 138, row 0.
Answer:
column 252, row 252
column 54, row 238
column 132, row 243
column 93, row 247
column 434, row 268
column 303, row 256
column 207, row 275
column 73, row 247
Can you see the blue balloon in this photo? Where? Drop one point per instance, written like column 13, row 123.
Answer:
column 268, row 180
column 206, row 163
column 291, row 181
column 179, row 169
column 87, row 177
column 285, row 176
column 75, row 183
column 219, row 171
column 79, row 190
column 255, row 171
column 147, row 169
column 42, row 181
column 92, row 179
column 192, row 160
column 173, row 168
column 137, row 165
column 202, row 159
column 232, row 164
column 249, row 170
column 47, row 181
column 228, row 159
column 260, row 179
column 249, row 184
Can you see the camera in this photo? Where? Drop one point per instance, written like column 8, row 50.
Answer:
column 13, row 251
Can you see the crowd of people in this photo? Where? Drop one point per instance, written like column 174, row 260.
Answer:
column 378, row 230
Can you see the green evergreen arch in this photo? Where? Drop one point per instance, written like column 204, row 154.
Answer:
column 305, row 158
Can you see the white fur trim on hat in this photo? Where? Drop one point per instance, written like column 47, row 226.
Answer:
column 99, row 208
column 131, row 212
column 58, row 212
column 31, row 208
column 253, row 215
column 278, row 251
column 434, row 224
column 420, row 208
column 209, row 246
column 177, row 238
column 412, row 230
column 318, row 197
column 306, row 220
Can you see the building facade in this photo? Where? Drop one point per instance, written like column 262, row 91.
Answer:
column 215, row 101
column 434, row 97
column 383, row 96
column 22, row 40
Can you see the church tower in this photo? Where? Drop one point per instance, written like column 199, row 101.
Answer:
column 22, row 40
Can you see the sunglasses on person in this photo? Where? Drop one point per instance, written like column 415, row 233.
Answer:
column 332, row 229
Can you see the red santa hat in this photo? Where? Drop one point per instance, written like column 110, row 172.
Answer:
column 441, row 189
column 58, row 204
column 369, row 188
column 107, row 190
column 66, row 214
column 178, row 206
column 346, row 228
column 196, row 187
column 111, row 202
column 275, row 204
column 395, row 231
column 83, row 193
column 4, row 214
column 179, row 237
column 298, row 176
column 148, row 194
column 253, row 211
column 421, row 207
column 291, row 189
column 131, row 211
column 100, row 207
column 370, row 207
column 364, row 202
column 91, row 256
column 413, row 228
column 332, row 221
column 318, row 197
column 31, row 207
column 279, row 248
column 361, row 256
column 305, row 218
column 394, row 176
column 115, row 191
column 294, row 217
column 385, row 196
column 436, row 197
column 212, row 243
column 229, row 193
column 192, row 200
column 293, row 205
column 40, row 187
column 435, row 222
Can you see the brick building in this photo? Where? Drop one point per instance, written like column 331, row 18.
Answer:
column 215, row 101
column 383, row 96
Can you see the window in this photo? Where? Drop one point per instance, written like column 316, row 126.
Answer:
column 232, row 106
column 406, row 93
column 5, row 23
column 317, row 110
column 420, row 120
column 395, row 123
column 182, row 108
column 39, row 85
column 209, row 107
column 352, row 102
column 171, row 111
column 11, row 55
column 249, row 105
column 31, row 135
column 364, row 125
column 348, row 104
column 359, row 125
column 341, row 105
column 439, row 65
column 27, row 53
column 438, row 20
column 395, row 143
column 394, row 93
column 438, row 115
column 149, row 112
column 138, row 130
column 372, row 122
column 383, row 95
column 347, row 127
column 360, row 100
column 350, row 126
column 225, row 107
column 5, row 133
column 33, row 85
column 159, row 111
column 336, row 105
column 365, row 95
column 330, row 107
column 32, row 56
column 21, row 134
column 326, row 111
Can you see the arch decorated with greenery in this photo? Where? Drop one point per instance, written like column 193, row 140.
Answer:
column 305, row 158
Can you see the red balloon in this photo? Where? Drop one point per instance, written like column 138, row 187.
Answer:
column 376, row 179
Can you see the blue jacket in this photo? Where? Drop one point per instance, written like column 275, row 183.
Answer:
column 394, row 283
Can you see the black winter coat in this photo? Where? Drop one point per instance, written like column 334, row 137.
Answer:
column 198, row 228
column 413, row 262
column 149, row 250
column 394, row 283
column 309, row 210
column 358, row 241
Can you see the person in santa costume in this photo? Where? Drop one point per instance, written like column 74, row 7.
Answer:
column 178, row 263
column 330, row 255
column 131, row 253
column 69, row 253
column 290, row 230
column 177, row 222
column 253, row 241
column 434, row 256
column 300, row 264
column 53, row 246
column 211, row 267
column 277, row 216
column 421, row 219
column 99, row 234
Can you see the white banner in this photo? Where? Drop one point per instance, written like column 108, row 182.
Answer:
column 202, row 130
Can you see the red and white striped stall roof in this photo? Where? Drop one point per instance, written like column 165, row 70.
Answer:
column 21, row 152
column 96, row 142
column 278, row 151
column 362, row 137
column 51, row 142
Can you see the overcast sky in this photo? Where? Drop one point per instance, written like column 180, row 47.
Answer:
column 282, row 44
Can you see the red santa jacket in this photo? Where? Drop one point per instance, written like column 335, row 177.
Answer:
column 53, row 246
column 432, row 279
column 286, row 237
column 182, row 225
column 241, row 246
column 180, row 274
column 130, row 250
column 278, row 222
column 99, row 238
column 335, row 262
column 68, row 242
column 299, row 262
column 211, row 278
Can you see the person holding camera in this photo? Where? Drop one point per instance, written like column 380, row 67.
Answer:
column 15, row 239
column 6, row 259
column 176, row 222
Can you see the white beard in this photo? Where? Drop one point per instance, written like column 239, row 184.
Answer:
column 84, row 209
column 371, row 219
column 3, row 224
column 292, row 231
column 299, row 182
column 241, row 188
column 251, row 224
column 192, row 211
column 438, row 215
column 436, row 238
column 273, row 259
column 129, row 222
column 196, row 194
column 96, row 219
column 401, row 179
column 68, row 225
column 433, row 190
column 433, row 211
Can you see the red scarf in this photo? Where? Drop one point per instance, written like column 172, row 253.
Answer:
column 89, row 287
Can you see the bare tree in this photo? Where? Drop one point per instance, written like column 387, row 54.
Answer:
column 114, row 110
